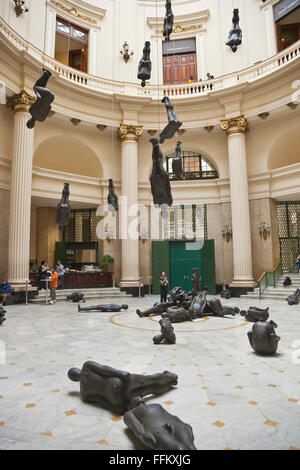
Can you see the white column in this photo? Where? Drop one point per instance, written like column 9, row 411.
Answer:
column 130, row 240
column 20, row 193
column 50, row 30
column 92, row 52
column 242, row 257
column 201, row 56
column 270, row 30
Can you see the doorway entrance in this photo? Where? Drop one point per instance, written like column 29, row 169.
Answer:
column 71, row 45
column 288, row 216
column 179, row 61
column 287, row 19
column 178, row 258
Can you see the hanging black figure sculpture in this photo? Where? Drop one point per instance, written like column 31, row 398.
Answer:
column 168, row 21
column 63, row 209
column 173, row 125
column 44, row 97
column 177, row 162
column 145, row 65
column 235, row 34
column 159, row 179
column 112, row 198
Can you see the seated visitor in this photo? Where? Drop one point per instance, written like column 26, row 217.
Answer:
column 5, row 290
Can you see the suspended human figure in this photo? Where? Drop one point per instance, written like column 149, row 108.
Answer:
column 112, row 198
column 168, row 21
column 173, row 124
column 44, row 97
column 159, row 179
column 63, row 209
column 177, row 161
column 235, row 34
column 145, row 65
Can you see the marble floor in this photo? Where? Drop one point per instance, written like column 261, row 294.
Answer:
column 233, row 398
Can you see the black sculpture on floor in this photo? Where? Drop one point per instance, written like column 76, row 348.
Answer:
column 44, row 97
column 177, row 165
column 195, row 282
column 177, row 315
column 63, row 210
column 294, row 298
column 158, row 429
column 145, row 65
column 263, row 338
column 225, row 293
column 177, row 295
column 2, row 315
column 254, row 314
column 287, row 281
column 112, row 198
column 235, row 34
column 103, row 308
column 76, row 297
column 198, row 305
column 157, row 309
column 159, row 179
column 173, row 124
column 168, row 21
column 215, row 307
column 115, row 389
column 167, row 335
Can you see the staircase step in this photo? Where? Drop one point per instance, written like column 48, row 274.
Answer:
column 100, row 293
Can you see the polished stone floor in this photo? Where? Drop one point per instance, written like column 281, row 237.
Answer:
column 233, row 398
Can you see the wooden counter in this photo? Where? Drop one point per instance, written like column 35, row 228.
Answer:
column 78, row 280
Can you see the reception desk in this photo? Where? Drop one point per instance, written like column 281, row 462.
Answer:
column 79, row 280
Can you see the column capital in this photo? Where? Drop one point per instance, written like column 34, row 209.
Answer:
column 20, row 101
column 238, row 125
column 130, row 132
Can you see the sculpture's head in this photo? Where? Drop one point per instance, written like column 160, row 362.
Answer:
column 124, row 306
column 30, row 123
column 74, row 374
column 154, row 142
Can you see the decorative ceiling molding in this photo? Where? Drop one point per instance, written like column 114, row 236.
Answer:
column 78, row 11
column 182, row 23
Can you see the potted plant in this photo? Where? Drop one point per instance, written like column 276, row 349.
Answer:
column 106, row 260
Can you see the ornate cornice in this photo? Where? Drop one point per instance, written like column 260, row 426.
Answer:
column 238, row 125
column 20, row 99
column 182, row 23
column 79, row 10
column 129, row 132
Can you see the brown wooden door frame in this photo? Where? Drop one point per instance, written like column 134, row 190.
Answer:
column 83, row 59
column 174, row 65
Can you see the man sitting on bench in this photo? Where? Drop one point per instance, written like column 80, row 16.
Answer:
column 5, row 290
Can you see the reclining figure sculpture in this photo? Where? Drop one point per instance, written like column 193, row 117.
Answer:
column 177, row 165
column 112, row 198
column 44, row 97
column 63, row 210
column 177, row 315
column 145, row 65
column 167, row 335
column 198, row 305
column 103, row 308
column 159, row 179
column 158, row 429
column 215, row 307
column 157, row 309
column 263, row 338
column 116, row 389
column 173, row 125
column 254, row 314
column 76, row 297
column 168, row 21
column 235, row 34
column 295, row 298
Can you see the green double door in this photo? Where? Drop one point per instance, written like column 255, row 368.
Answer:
column 178, row 258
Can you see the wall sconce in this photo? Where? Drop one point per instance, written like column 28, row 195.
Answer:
column 109, row 235
column 264, row 231
column 20, row 7
column 227, row 233
column 125, row 52
column 143, row 235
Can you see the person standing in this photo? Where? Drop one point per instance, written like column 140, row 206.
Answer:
column 164, row 285
column 61, row 272
column 43, row 274
column 5, row 290
column 53, row 286
column 298, row 263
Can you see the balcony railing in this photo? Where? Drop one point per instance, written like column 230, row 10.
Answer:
column 92, row 82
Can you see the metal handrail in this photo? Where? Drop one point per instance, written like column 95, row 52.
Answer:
column 263, row 280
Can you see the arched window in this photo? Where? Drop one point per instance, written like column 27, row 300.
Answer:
column 195, row 167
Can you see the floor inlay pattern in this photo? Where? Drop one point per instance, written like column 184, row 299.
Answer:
column 232, row 398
